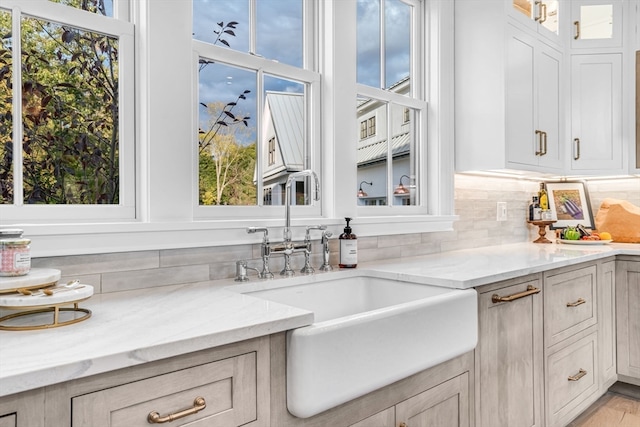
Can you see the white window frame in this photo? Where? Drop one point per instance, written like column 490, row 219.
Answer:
column 166, row 161
column 124, row 31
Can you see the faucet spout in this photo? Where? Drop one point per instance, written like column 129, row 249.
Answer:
column 287, row 202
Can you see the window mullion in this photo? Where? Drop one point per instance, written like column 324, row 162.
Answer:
column 383, row 67
column 18, row 192
column 253, row 26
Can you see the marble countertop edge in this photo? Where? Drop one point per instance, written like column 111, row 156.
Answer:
column 134, row 327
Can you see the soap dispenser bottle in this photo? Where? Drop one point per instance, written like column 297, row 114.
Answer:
column 348, row 248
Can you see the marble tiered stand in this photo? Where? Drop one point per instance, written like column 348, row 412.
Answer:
column 35, row 295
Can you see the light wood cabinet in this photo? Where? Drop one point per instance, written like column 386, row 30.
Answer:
column 221, row 393
column 439, row 396
column 445, row 405
column 23, row 409
column 607, row 323
column 570, row 302
column 628, row 318
column 509, row 355
column 571, row 380
column 544, row 357
column 225, row 386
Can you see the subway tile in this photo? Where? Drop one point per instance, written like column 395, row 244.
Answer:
column 206, row 255
column 140, row 279
column 100, row 263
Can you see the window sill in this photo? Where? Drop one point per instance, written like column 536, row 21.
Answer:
column 81, row 239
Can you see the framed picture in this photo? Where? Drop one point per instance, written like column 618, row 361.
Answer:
column 569, row 203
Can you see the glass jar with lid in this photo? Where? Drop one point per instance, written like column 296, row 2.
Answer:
column 15, row 253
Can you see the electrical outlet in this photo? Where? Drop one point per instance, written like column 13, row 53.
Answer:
column 501, row 211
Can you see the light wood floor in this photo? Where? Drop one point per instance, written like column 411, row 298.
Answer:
column 613, row 409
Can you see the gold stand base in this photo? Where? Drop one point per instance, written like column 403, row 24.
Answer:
column 542, row 230
column 56, row 318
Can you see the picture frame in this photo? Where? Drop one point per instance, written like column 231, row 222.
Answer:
column 569, row 204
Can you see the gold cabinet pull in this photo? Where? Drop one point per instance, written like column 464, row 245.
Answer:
column 495, row 298
column 198, row 405
column 576, row 303
column 544, row 144
column 581, row 373
column 543, row 7
column 539, row 135
column 539, row 17
column 577, row 142
column 577, row 24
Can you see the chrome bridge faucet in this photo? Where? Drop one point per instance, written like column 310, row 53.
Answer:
column 289, row 247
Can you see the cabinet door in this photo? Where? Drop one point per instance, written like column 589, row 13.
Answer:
column 538, row 15
column 548, row 108
column 221, row 393
column 386, row 418
column 445, row 405
column 22, row 409
column 509, row 357
column 596, row 108
column 607, row 323
column 596, row 23
column 628, row 317
column 532, row 102
column 570, row 303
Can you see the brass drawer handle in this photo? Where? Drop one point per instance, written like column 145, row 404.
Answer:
column 198, row 405
column 577, row 145
column 530, row 291
column 577, row 24
column 581, row 373
column 576, row 303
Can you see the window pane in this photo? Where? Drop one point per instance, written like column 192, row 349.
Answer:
column 279, row 33
column 397, row 41
column 227, row 130
column 6, row 112
column 70, row 115
column 395, row 54
column 101, row 7
column 368, row 42
column 284, row 123
column 403, row 149
column 222, row 22
column 372, row 154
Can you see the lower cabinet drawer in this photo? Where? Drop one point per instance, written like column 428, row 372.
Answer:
column 221, row 393
column 571, row 379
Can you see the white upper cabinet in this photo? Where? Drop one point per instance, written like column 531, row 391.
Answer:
column 596, row 113
column 539, row 15
column 533, row 107
column 596, row 23
column 509, row 111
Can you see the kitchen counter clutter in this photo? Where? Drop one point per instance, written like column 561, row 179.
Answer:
column 134, row 327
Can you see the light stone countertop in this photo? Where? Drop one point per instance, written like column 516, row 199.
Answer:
column 134, row 327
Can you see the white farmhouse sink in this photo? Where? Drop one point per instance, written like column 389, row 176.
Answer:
column 369, row 332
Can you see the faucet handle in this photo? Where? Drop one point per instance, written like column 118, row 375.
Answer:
column 313, row 227
column 264, row 230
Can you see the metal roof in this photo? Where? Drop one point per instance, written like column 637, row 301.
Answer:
column 287, row 114
column 377, row 151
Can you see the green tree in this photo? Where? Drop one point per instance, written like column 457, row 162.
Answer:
column 69, row 112
column 226, row 167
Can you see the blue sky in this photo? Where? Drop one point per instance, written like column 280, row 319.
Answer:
column 279, row 37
